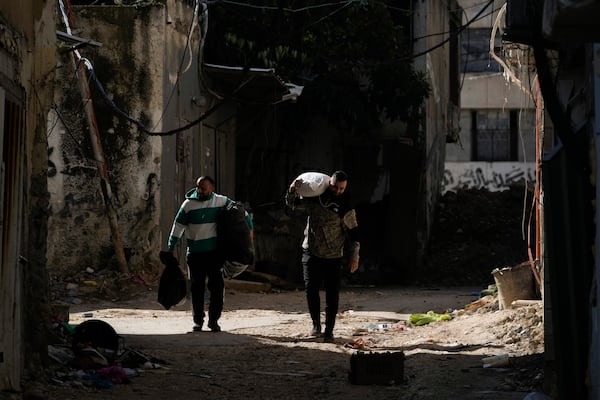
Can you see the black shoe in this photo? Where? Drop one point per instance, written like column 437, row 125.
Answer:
column 197, row 327
column 316, row 329
column 328, row 338
column 214, row 327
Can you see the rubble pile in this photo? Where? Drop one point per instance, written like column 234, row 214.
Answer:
column 475, row 231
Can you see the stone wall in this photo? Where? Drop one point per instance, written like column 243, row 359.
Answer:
column 137, row 68
column 27, row 62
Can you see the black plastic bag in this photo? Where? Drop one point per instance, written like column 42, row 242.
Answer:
column 172, row 286
column 234, row 240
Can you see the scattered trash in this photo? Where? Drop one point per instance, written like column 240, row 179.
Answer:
column 537, row 396
column 69, row 299
column 367, row 328
column 88, row 358
column 370, row 327
column 92, row 354
column 360, row 344
column 99, row 335
column 60, row 354
column 483, row 301
column 116, row 374
column 200, row 375
column 424, row 319
column 490, row 291
column 500, row 360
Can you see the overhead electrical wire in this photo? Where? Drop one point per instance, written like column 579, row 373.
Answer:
column 456, row 30
column 180, row 69
column 509, row 73
column 443, row 42
column 206, row 114
column 88, row 65
column 141, row 126
column 291, row 10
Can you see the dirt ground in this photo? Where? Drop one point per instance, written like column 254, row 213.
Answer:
column 265, row 350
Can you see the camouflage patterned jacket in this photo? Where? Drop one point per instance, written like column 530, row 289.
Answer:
column 331, row 223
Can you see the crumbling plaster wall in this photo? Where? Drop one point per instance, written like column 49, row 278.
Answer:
column 27, row 61
column 131, row 66
column 437, row 121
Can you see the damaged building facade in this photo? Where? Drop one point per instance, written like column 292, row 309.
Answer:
column 111, row 118
column 27, row 65
column 562, row 37
column 142, row 79
column 164, row 118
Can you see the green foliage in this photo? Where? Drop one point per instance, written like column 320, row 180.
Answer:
column 352, row 57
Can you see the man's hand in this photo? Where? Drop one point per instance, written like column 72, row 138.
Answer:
column 353, row 265
column 296, row 185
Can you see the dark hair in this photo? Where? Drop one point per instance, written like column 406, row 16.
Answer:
column 340, row 176
column 206, row 178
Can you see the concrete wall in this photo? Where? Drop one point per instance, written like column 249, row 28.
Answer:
column 481, row 90
column 462, row 151
column 147, row 65
column 439, row 119
column 490, row 91
column 27, row 62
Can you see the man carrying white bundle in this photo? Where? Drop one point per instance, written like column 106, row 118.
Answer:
column 330, row 224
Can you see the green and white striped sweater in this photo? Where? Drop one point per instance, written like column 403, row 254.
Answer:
column 198, row 219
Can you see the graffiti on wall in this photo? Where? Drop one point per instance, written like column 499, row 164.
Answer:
column 494, row 176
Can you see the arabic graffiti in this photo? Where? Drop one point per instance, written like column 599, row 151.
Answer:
column 492, row 176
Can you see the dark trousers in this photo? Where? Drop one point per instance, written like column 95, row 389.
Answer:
column 205, row 271
column 320, row 272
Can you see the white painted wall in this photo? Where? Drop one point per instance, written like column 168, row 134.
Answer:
column 494, row 177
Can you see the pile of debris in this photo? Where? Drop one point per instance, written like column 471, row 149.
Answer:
column 476, row 231
column 91, row 354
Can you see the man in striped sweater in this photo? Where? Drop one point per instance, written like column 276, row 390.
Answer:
column 197, row 217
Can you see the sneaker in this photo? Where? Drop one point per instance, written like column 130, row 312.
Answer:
column 214, row 326
column 328, row 338
column 197, row 328
column 316, row 329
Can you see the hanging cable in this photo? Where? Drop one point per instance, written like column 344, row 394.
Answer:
column 443, row 42
column 181, row 70
column 89, row 67
column 509, row 73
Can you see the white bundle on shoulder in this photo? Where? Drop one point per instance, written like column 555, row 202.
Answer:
column 313, row 184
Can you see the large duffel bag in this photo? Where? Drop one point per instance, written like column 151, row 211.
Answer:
column 235, row 243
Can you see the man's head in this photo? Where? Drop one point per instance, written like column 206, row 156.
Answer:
column 205, row 185
column 338, row 183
